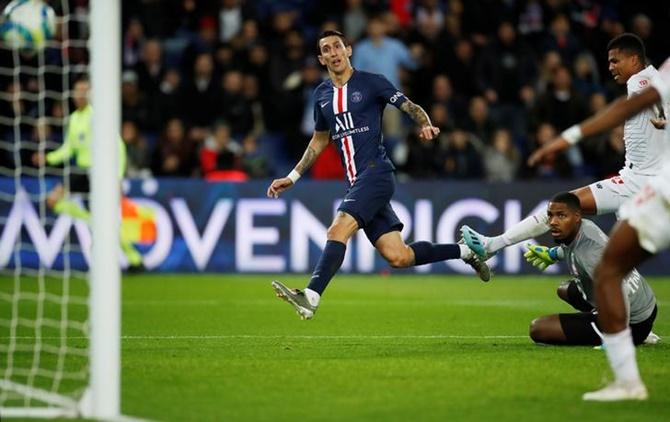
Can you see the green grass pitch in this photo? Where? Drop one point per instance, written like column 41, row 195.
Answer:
column 223, row 348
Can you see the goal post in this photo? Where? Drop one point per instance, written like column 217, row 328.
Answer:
column 60, row 324
column 105, row 300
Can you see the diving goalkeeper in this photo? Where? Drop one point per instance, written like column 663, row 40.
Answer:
column 581, row 245
column 77, row 144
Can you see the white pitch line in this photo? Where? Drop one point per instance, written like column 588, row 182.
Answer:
column 295, row 337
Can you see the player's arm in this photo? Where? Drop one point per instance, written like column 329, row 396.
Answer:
column 615, row 114
column 426, row 129
column 317, row 144
column 57, row 156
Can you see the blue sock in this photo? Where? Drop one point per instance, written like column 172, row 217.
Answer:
column 330, row 261
column 427, row 252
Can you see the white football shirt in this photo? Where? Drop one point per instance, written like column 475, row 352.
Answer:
column 645, row 145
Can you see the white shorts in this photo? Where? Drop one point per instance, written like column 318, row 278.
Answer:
column 610, row 194
column 648, row 213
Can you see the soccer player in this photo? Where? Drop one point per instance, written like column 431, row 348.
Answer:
column 77, row 144
column 644, row 230
column 643, row 137
column 581, row 245
column 348, row 109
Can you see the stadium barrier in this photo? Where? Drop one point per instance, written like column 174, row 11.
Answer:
column 233, row 227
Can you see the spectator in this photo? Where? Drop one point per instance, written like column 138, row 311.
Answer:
column 236, row 109
column 133, row 41
column 587, row 80
column 550, row 62
column 200, row 96
column 557, row 166
column 354, row 20
column 250, row 91
column 561, row 105
column 381, row 54
column 502, row 159
column 479, row 122
column 225, row 59
column 560, row 39
column 384, row 55
column 133, row 103
column 505, row 67
column 220, row 151
column 254, row 163
column 505, row 73
column 230, row 19
column 459, row 157
column 137, row 150
column 611, row 154
column 150, row 73
column 462, row 69
column 204, row 43
column 168, row 96
column 174, row 156
column 443, row 93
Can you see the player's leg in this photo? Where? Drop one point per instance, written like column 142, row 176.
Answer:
column 60, row 202
column 577, row 329
column 364, row 199
column 384, row 233
column 569, row 292
column 588, row 202
column 621, row 255
column 537, row 224
column 306, row 301
column 643, row 232
column 641, row 331
column 605, row 196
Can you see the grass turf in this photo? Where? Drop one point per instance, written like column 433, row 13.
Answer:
column 222, row 347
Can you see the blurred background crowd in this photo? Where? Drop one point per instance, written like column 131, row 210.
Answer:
column 221, row 89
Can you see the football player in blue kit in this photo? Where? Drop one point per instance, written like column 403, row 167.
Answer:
column 348, row 110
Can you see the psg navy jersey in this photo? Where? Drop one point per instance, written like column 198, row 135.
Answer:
column 353, row 116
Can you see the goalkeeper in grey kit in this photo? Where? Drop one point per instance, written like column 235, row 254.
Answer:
column 581, row 246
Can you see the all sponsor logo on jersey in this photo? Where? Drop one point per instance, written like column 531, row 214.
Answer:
column 344, row 121
column 356, row 97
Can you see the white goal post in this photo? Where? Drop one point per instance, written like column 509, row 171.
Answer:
column 96, row 337
column 105, row 301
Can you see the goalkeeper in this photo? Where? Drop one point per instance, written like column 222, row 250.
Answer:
column 581, row 245
column 77, row 144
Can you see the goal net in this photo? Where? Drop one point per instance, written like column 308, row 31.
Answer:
column 46, row 331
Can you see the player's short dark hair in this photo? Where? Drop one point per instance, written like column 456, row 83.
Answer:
column 569, row 199
column 330, row 33
column 81, row 79
column 630, row 44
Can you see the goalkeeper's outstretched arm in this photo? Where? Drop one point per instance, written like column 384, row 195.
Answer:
column 317, row 144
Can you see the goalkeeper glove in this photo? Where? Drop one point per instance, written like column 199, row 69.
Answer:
column 541, row 256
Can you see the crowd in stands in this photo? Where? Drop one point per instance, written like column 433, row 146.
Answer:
column 221, row 89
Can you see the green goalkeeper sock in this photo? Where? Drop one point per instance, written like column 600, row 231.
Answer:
column 132, row 254
column 71, row 208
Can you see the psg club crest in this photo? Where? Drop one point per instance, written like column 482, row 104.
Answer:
column 356, row 97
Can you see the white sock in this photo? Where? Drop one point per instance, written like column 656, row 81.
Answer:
column 621, row 355
column 312, row 297
column 465, row 251
column 528, row 228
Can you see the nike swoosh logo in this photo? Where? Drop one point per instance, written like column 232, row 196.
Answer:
column 324, row 104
